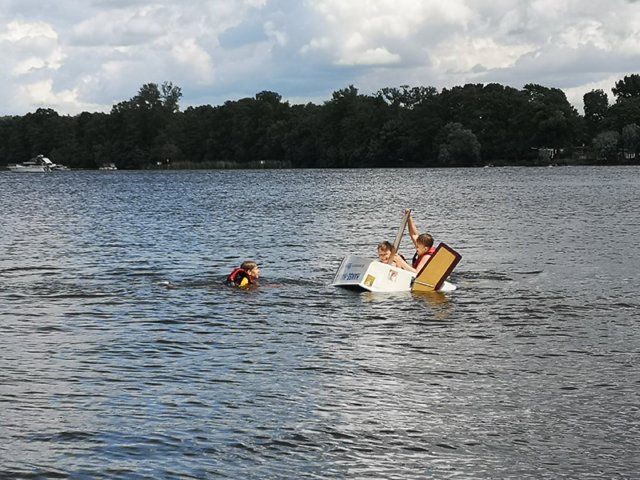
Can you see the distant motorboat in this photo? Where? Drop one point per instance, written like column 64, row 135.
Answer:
column 108, row 166
column 38, row 164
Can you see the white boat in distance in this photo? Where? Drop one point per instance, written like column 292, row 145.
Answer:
column 38, row 164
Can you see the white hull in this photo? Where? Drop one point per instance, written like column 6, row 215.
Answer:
column 358, row 273
column 29, row 168
column 39, row 164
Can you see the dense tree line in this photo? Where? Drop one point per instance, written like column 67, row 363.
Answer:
column 470, row 125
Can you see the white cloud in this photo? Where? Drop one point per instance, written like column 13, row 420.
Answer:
column 255, row 3
column 118, row 27
column 372, row 56
column 192, row 56
column 20, row 31
column 467, row 54
column 277, row 36
column 43, row 94
column 372, row 32
column 355, row 51
column 94, row 54
column 30, row 46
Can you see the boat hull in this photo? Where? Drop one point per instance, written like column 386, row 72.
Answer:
column 38, row 164
column 359, row 273
column 29, row 168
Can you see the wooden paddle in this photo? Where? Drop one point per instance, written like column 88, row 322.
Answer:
column 403, row 225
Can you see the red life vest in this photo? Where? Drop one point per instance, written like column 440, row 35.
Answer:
column 416, row 258
column 236, row 277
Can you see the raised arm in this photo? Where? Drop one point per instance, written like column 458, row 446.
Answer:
column 413, row 231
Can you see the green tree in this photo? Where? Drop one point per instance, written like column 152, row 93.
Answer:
column 90, row 140
column 351, row 127
column 605, row 145
column 631, row 140
column 14, row 140
column 499, row 119
column 459, row 147
column 405, row 96
column 248, row 132
column 403, row 126
column 628, row 87
column 499, row 116
column 138, row 126
column 626, row 110
column 596, row 106
column 193, row 135
column 555, row 120
column 44, row 130
column 170, row 96
column 418, row 128
column 398, row 140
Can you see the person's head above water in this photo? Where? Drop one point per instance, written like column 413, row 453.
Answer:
column 252, row 269
column 385, row 251
column 245, row 275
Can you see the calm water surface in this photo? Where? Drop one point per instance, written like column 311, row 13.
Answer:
column 123, row 356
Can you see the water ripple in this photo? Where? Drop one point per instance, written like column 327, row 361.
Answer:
column 125, row 356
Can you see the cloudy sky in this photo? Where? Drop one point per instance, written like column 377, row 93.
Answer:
column 76, row 56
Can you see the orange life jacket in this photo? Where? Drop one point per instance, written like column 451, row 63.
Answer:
column 235, row 278
column 416, row 258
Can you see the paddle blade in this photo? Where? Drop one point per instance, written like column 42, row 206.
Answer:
column 403, row 225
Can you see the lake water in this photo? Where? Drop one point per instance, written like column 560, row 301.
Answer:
column 123, row 356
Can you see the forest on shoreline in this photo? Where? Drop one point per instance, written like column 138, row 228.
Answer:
column 465, row 126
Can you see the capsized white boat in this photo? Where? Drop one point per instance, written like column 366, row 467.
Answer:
column 359, row 273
